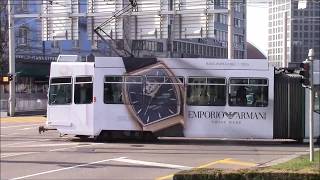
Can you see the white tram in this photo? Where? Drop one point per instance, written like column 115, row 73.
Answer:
column 216, row 98
column 316, row 113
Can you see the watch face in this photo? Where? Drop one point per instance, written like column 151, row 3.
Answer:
column 155, row 98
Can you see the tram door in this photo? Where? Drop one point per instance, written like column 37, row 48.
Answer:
column 82, row 110
column 59, row 101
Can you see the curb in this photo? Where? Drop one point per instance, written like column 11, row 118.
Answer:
column 284, row 159
column 218, row 174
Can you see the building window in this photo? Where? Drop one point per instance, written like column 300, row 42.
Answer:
column 60, row 91
column 206, row 91
column 55, row 44
column 113, row 90
column 83, row 89
column 23, row 36
column 24, row 5
column 76, row 44
column 248, row 92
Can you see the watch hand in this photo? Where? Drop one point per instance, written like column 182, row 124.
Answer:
column 155, row 91
column 148, row 107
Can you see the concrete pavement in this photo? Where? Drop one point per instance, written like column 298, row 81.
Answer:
column 25, row 154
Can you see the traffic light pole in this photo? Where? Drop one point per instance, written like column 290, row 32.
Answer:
column 230, row 29
column 12, row 69
column 311, row 106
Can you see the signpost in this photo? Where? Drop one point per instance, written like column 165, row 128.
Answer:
column 311, row 107
column 12, row 62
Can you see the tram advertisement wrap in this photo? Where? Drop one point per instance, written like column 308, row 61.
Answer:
column 160, row 104
column 199, row 104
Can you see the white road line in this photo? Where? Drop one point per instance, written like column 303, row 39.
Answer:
column 8, row 145
column 47, row 145
column 15, row 154
column 53, row 150
column 67, row 168
column 26, row 128
column 155, row 164
column 29, row 125
column 8, row 135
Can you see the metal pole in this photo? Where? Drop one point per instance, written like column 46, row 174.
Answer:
column 12, row 69
column 230, row 29
column 311, row 106
column 285, row 58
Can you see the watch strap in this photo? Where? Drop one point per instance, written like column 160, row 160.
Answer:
column 132, row 63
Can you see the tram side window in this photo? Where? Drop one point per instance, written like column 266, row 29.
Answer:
column 206, row 91
column 113, row 90
column 134, row 86
column 248, row 92
column 83, row 90
column 60, row 91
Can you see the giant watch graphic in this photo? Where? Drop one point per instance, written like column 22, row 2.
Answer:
column 153, row 96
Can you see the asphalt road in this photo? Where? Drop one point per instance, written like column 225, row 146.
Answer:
column 26, row 154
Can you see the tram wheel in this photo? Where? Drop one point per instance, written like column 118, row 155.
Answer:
column 149, row 137
column 83, row 137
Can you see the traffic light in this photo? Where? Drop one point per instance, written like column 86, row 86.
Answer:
column 305, row 73
column 10, row 76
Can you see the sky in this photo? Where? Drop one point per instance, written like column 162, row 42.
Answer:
column 257, row 26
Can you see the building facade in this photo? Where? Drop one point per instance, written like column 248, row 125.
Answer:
column 34, row 51
column 29, row 32
column 293, row 29
column 33, row 55
column 213, row 45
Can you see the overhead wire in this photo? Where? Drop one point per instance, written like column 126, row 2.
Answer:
column 38, row 2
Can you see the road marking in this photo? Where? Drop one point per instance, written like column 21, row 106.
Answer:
column 67, row 168
column 222, row 161
column 26, row 128
column 48, row 145
column 53, row 150
column 241, row 163
column 4, row 155
column 29, row 125
column 8, row 145
column 8, row 135
column 155, row 164
column 170, row 176
column 212, row 163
